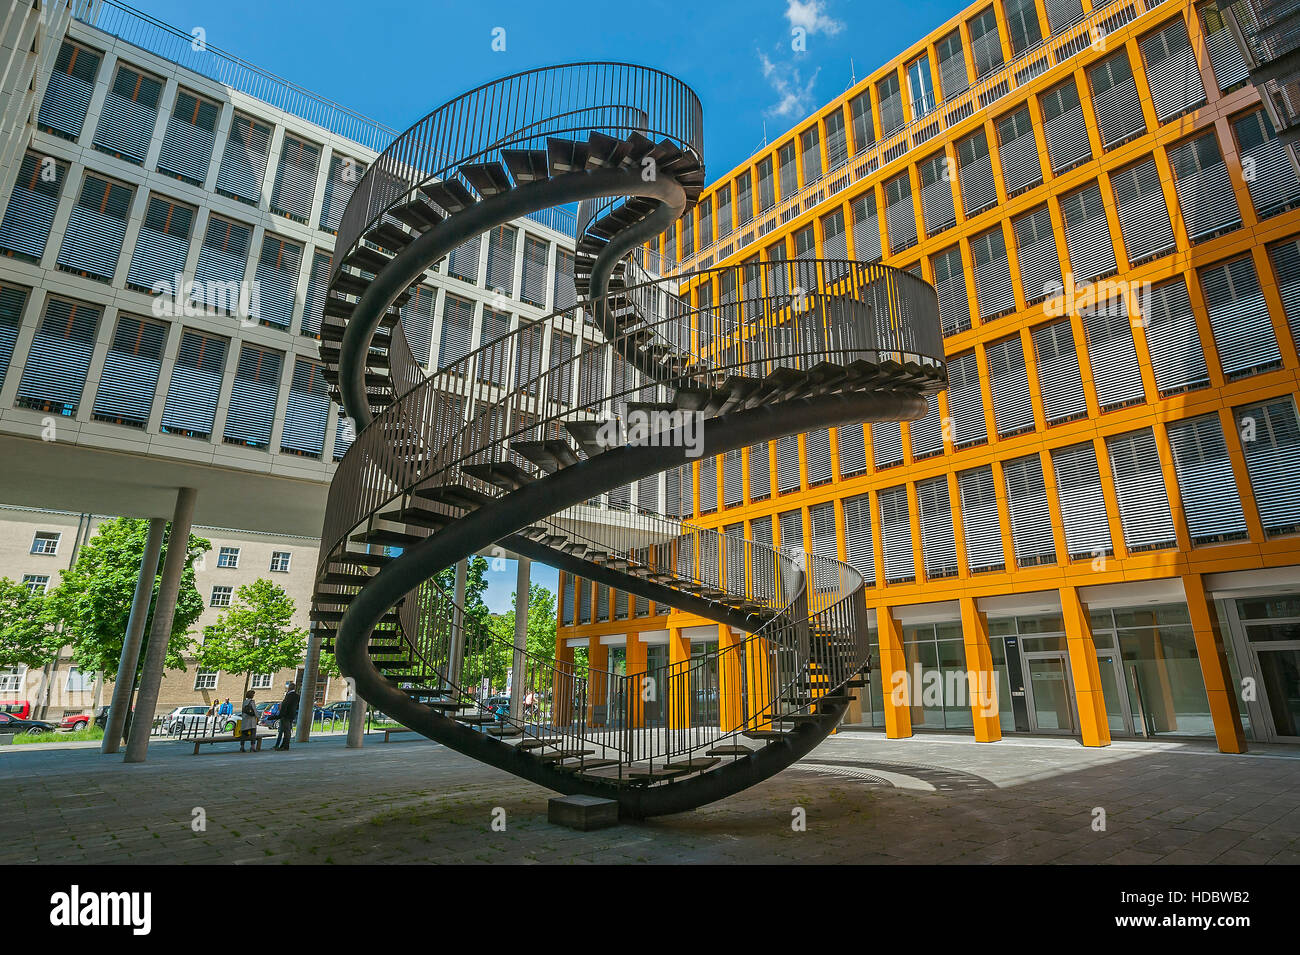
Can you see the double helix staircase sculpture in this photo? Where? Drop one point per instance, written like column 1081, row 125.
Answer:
column 512, row 448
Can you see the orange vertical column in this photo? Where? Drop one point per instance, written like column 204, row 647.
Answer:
column 983, row 680
column 1094, row 729
column 562, row 691
column 597, row 683
column 731, row 651
column 637, row 667
column 1214, row 667
column 679, row 662
column 893, row 676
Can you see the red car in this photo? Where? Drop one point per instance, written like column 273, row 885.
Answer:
column 75, row 721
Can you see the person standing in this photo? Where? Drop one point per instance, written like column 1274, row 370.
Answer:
column 288, row 713
column 248, row 722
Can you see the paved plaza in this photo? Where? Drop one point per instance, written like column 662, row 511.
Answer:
column 930, row 799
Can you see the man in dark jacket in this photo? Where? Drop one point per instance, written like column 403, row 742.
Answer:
column 287, row 715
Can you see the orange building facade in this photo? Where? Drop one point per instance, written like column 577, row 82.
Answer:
column 1101, row 515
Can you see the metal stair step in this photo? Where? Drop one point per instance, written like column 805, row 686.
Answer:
column 504, row 474
column 731, row 749
column 565, row 155
column 489, row 178
column 449, row 194
column 390, row 236
column 417, row 214
column 527, row 165
column 550, row 455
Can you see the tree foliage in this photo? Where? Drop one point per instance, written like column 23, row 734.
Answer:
column 93, row 598
column 26, row 634
column 255, row 634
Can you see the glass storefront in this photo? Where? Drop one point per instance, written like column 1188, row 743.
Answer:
column 1265, row 637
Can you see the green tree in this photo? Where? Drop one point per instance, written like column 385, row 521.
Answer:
column 93, row 598
column 26, row 636
column 255, row 634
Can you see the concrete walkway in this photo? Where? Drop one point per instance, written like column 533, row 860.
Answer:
column 865, row 799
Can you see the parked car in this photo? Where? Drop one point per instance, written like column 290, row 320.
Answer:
column 101, row 719
column 335, row 711
column 13, row 724
column 19, row 708
column 182, row 718
column 74, row 722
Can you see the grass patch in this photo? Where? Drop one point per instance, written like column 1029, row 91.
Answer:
column 86, row 735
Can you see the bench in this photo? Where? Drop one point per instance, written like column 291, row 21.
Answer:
column 396, row 729
column 256, row 740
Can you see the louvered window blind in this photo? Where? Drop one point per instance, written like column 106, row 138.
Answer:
column 853, row 450
column 584, row 601
column 993, row 287
column 278, row 268
column 1082, row 506
column 936, row 194
column 59, row 357
column 787, row 179
column 766, row 187
column 1173, row 341
column 463, row 262
column 1225, row 54
column 253, row 396
column 1116, row 374
column 896, row 535
column 1037, row 256
column 900, row 213
column 810, row 164
column 1143, row 215
column 536, row 253
column 1013, row 411
column 501, row 259
column 952, row 66
column 1286, row 263
column 837, row 151
column 295, row 179
column 620, row 605
column 760, row 472
column 817, row 445
column 130, row 375
column 732, row 483
column 975, row 173
column 1171, row 71
column 1144, row 513
column 602, row 603
column 341, row 182
column 162, row 246
column 25, row 229
column 647, row 494
column 528, row 361
column 1058, row 372
column 313, row 309
column 67, row 97
column 223, row 258
column 566, row 294
column 1115, row 101
column 979, row 513
column 733, row 546
column 834, row 240
column 866, row 227
column 92, row 242
column 864, row 127
column 1266, row 165
column 12, row 302
column 457, row 330
column 1031, row 517
column 561, row 377
column 1018, row 152
column 417, row 321
column 566, row 612
column 938, row 543
column 243, row 162
column 1064, row 128
column 886, row 443
column 950, row 285
column 187, row 145
column 791, row 526
column 926, row 435
column 857, row 536
column 1063, row 13
column 1206, row 483
column 787, row 463
column 889, row 95
column 985, row 43
column 1022, row 24
column 1204, row 190
column 760, row 532
column 1087, row 235
column 306, row 411
column 1243, row 331
column 821, row 521
column 128, row 116
column 191, row 404
column 965, row 401
column 744, row 198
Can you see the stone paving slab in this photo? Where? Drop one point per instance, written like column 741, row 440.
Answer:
column 929, row 799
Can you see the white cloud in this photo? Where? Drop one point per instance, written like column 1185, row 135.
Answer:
column 812, row 16
column 794, row 96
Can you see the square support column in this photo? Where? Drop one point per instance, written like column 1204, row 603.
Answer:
column 679, row 690
column 597, row 683
column 895, row 691
column 730, row 666
column 1228, row 732
column 637, row 668
column 1094, row 727
column 982, row 678
column 562, row 693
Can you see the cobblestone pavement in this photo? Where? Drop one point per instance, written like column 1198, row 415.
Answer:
column 866, row 799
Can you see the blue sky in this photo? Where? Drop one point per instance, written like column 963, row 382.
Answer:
column 396, row 61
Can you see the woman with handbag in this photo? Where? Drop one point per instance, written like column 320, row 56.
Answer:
column 247, row 721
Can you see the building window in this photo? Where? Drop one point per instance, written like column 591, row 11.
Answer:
column 1270, row 437
column 78, row 682
column 280, row 562
column 46, row 542
column 221, row 596
column 205, row 680
column 36, row 583
column 261, row 681
column 11, row 680
column 228, row 557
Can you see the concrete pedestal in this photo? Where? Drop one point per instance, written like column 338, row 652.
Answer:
column 584, row 813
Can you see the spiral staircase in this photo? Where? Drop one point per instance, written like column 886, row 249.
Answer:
column 509, row 448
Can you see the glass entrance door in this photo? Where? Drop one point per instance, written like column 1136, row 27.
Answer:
column 1118, row 715
column 1266, row 631
column 1051, row 707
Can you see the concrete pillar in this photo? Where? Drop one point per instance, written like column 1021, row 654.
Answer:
column 895, row 692
column 523, row 581
column 126, row 664
column 356, row 722
column 456, row 654
column 983, row 679
column 137, row 747
column 1228, row 732
column 307, row 707
column 1094, row 726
